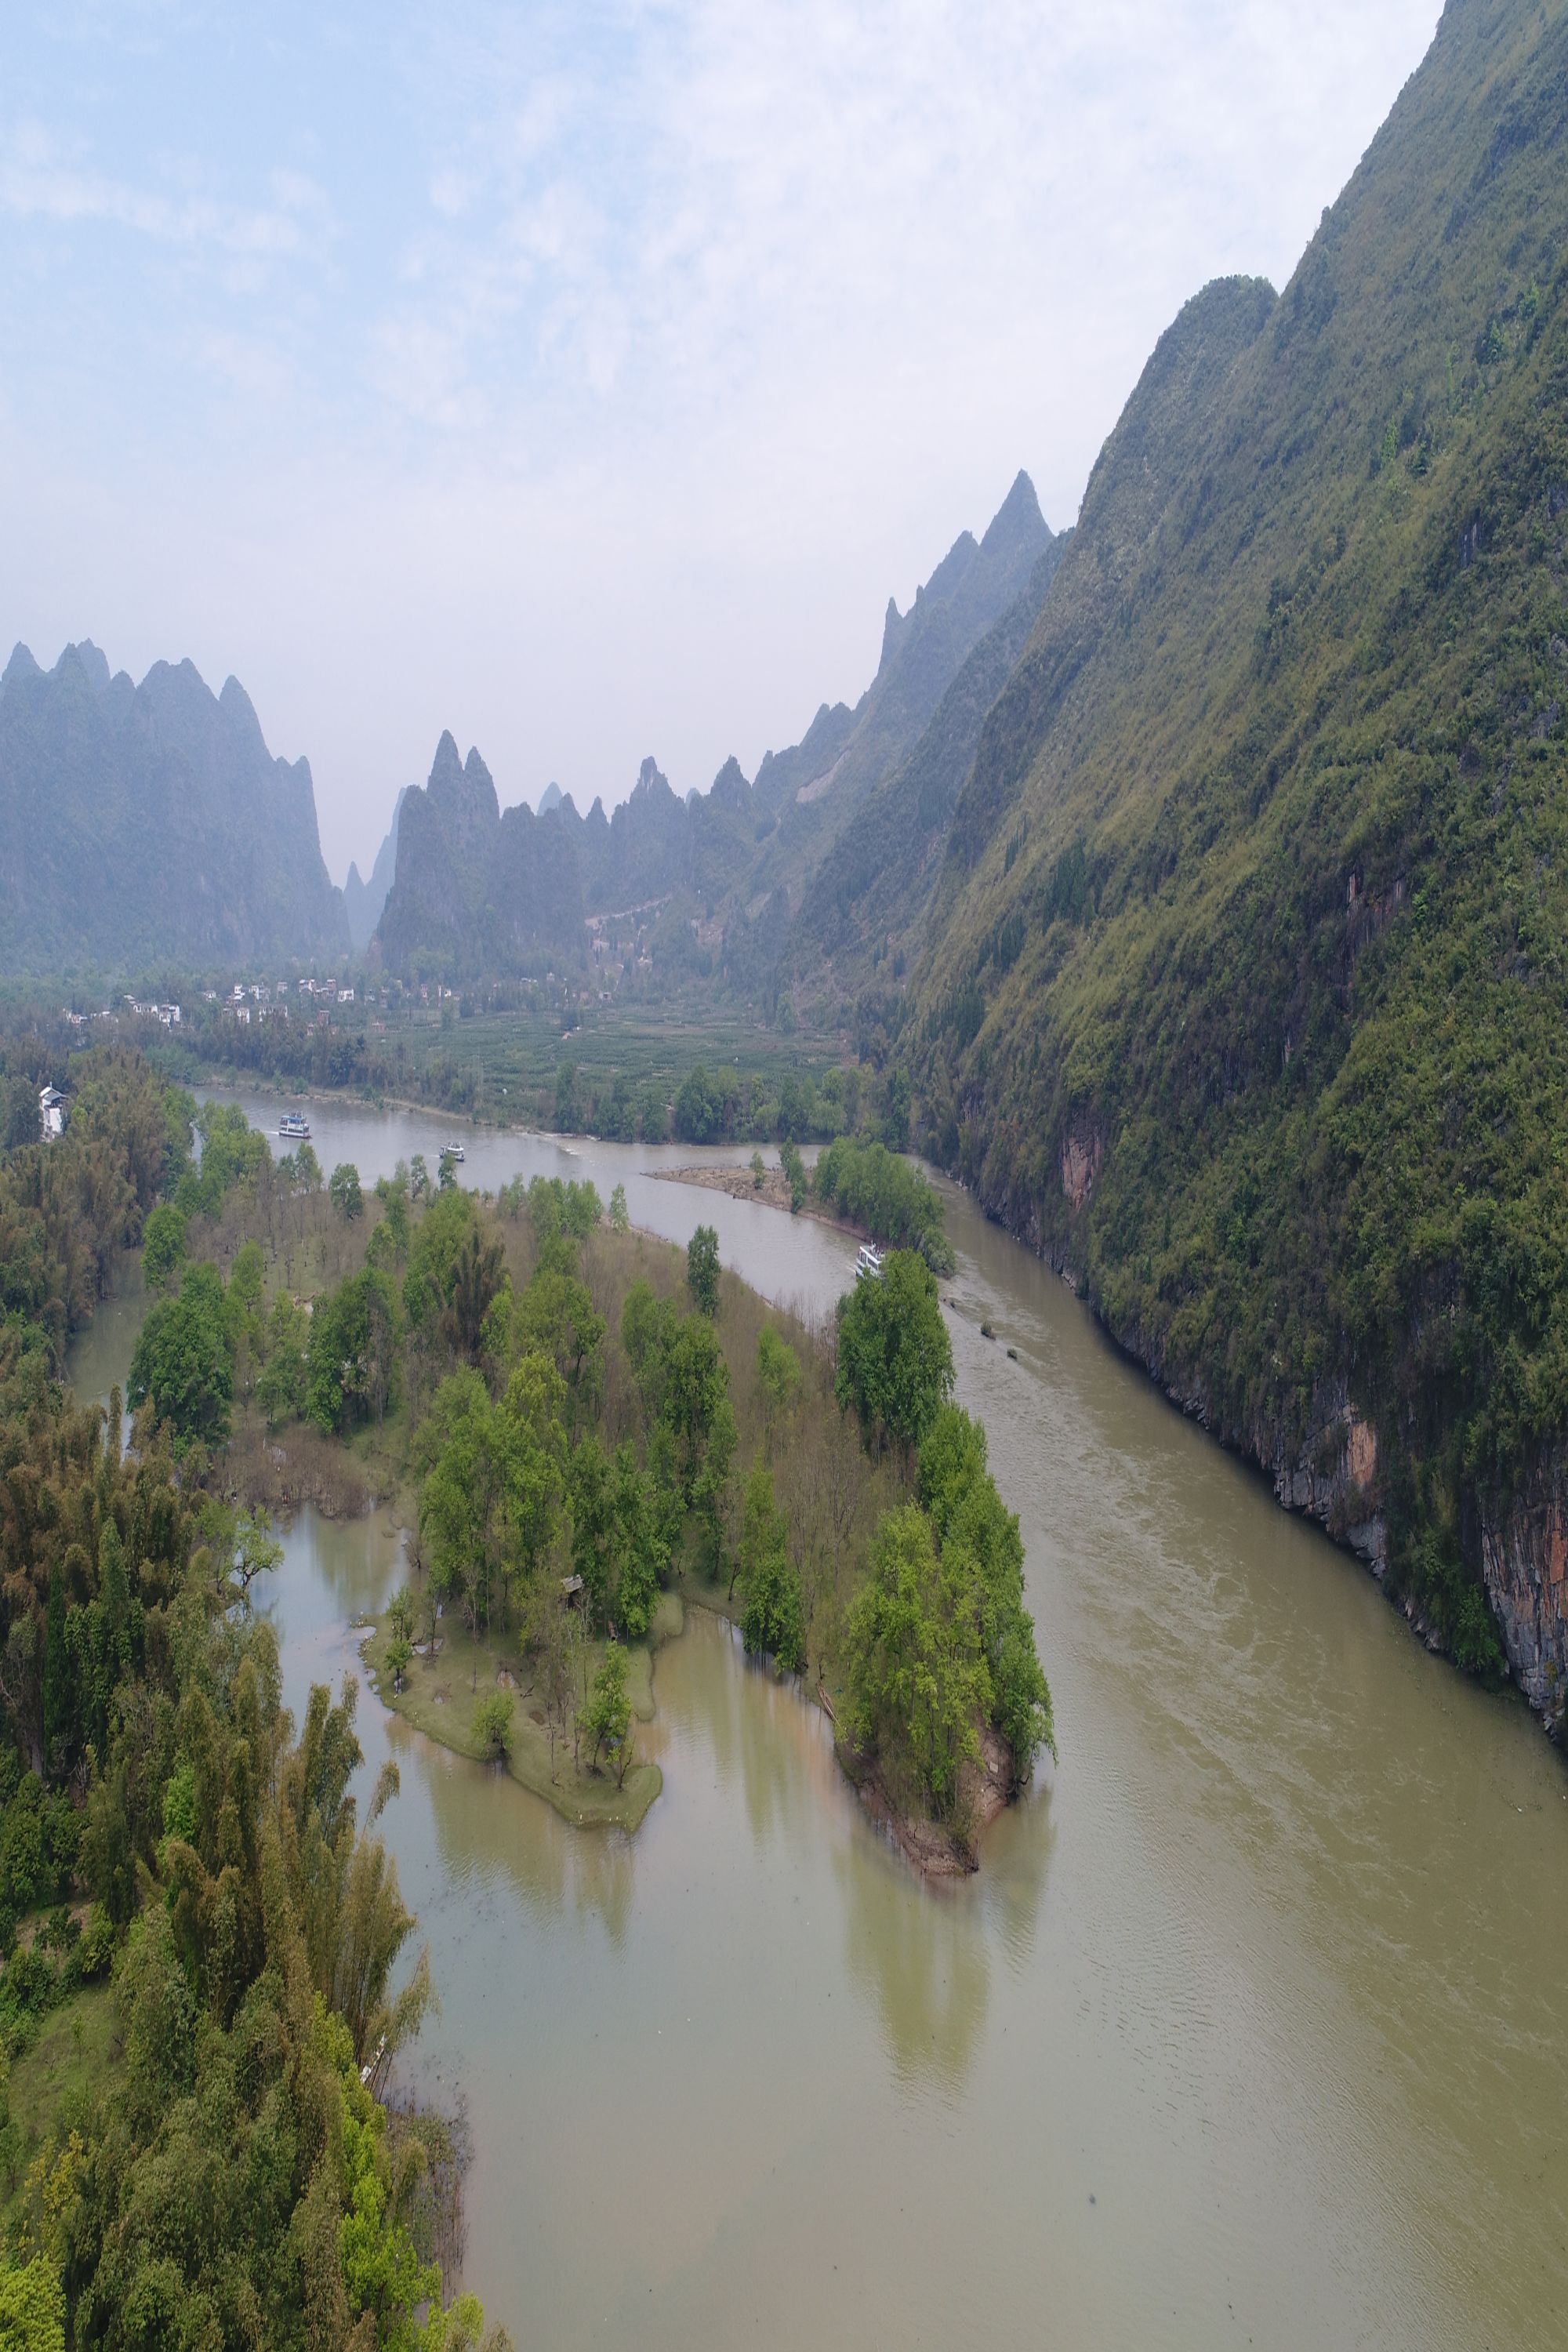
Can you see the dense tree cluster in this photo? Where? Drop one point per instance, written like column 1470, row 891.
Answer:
column 894, row 1202
column 228, row 2178
column 895, row 1358
column 233, row 2183
column 939, row 1643
column 69, row 1208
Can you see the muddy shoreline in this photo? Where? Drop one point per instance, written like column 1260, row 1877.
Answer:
column 740, row 1185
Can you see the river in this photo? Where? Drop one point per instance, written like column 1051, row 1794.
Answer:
column 1253, row 2029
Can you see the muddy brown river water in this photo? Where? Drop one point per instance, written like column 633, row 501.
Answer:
column 1253, row 2030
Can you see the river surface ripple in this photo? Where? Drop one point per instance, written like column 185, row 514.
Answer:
column 1254, row 2029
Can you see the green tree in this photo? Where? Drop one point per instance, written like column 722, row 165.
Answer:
column 915, row 1669
column 280, row 1384
column 620, row 1216
column 162, row 1245
column 980, row 1539
column 647, row 1326
column 246, row 1278
column 653, row 1113
column 773, row 1619
column 350, row 1359
column 616, row 1545
column 343, row 1192
column 895, row 1358
column 884, row 1193
column 555, row 1317
column 430, row 1279
column 793, row 1167
column 605, row 1718
column 642, row 1545
column 183, row 1363
column 592, row 1493
column 32, row 2307
column 493, row 1724
column 462, row 1497
column 533, row 1457
column 478, row 1273
column 695, row 1407
column 778, row 1376
column 254, row 1551
column 702, row 1270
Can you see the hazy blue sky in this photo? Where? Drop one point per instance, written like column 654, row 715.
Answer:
column 586, row 377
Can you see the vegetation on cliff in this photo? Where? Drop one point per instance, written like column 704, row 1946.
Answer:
column 1247, row 997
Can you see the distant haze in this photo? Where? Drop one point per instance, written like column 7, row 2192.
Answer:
column 583, row 378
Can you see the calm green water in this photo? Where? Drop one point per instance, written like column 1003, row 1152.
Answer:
column 1253, row 2030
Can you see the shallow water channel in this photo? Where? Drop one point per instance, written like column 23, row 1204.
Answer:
column 1253, row 2029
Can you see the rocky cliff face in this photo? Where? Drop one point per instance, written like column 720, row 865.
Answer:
column 1524, row 1558
column 1336, row 1475
column 476, row 892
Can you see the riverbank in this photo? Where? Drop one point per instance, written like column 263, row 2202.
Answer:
column 1269, row 1788
column 935, row 1849
column 442, row 1693
column 773, row 1193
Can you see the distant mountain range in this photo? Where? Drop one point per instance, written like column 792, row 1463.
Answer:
column 475, row 891
column 801, row 876
column 149, row 823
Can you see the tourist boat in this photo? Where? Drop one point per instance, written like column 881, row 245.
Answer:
column 869, row 1260
column 452, row 1151
column 294, row 1127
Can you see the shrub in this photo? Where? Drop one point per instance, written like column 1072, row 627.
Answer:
column 493, row 1724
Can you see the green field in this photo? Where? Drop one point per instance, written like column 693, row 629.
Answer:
column 518, row 1054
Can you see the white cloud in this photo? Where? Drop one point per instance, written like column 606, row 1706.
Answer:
column 37, row 182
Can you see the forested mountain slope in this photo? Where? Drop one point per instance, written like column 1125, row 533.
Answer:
column 1246, row 996
column 923, row 650
column 149, row 823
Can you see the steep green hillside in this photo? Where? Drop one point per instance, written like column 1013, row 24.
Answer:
column 149, row 823
column 923, row 651
column 866, row 902
column 1247, row 999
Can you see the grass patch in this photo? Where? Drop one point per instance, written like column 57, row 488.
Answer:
column 69, row 2063
column 441, row 1694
